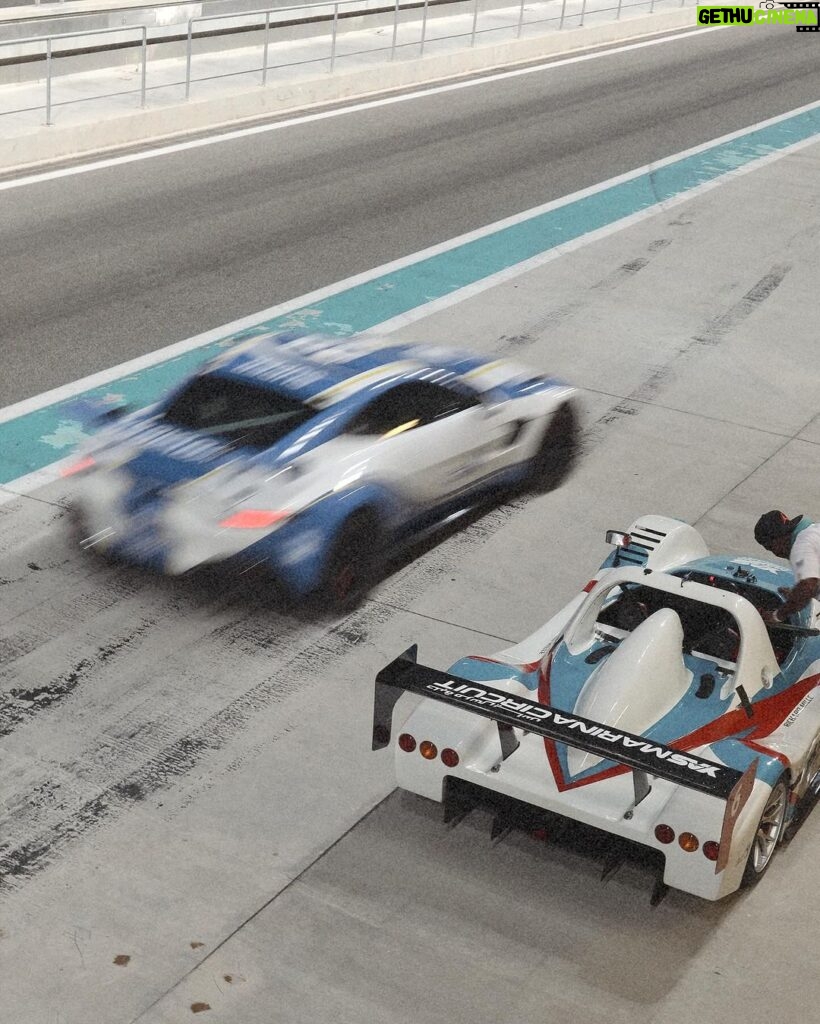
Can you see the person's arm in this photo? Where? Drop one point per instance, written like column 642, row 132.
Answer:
column 796, row 598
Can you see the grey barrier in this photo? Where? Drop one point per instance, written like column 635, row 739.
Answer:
column 329, row 14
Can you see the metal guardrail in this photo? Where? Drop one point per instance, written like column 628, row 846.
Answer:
column 50, row 56
column 332, row 13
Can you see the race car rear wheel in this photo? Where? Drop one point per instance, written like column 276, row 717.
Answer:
column 352, row 565
column 557, row 452
column 768, row 834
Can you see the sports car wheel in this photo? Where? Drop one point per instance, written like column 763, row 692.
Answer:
column 768, row 834
column 352, row 564
column 557, row 452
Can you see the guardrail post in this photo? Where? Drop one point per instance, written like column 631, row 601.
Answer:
column 520, row 21
column 333, row 39
column 144, row 64
column 188, row 59
column 475, row 23
column 265, row 48
column 48, row 82
column 583, row 12
column 563, row 12
column 395, row 30
column 423, row 28
column 652, row 7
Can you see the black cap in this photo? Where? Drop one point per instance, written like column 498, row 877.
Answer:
column 773, row 525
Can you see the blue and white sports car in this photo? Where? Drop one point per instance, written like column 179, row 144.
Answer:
column 317, row 456
column 657, row 706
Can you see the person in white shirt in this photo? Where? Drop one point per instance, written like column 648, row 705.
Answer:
column 798, row 540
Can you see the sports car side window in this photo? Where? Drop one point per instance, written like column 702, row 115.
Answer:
column 387, row 413
column 437, row 401
column 241, row 412
column 408, row 406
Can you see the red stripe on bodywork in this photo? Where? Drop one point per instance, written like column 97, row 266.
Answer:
column 531, row 666
column 768, row 715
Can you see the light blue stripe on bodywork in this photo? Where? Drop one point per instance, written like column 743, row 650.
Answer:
column 481, row 671
column 569, row 672
column 36, row 439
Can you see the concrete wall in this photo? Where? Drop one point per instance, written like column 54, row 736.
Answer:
column 51, row 19
column 25, row 61
column 96, row 53
column 138, row 126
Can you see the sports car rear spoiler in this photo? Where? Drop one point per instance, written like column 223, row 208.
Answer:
column 645, row 757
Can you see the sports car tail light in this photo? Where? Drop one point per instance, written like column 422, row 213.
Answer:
column 449, row 757
column 253, row 519
column 428, row 750
column 664, row 833
column 79, row 467
column 688, row 841
column 590, row 586
column 711, row 850
column 407, row 742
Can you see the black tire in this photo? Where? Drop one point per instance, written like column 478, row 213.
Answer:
column 352, row 564
column 811, row 790
column 557, row 452
column 768, row 834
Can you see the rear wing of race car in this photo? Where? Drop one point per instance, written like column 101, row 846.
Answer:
column 645, row 757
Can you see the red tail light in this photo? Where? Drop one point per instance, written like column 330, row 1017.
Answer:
column 664, row 833
column 254, row 519
column 711, row 850
column 428, row 750
column 407, row 742
column 590, row 586
column 449, row 757
column 79, row 467
column 688, row 841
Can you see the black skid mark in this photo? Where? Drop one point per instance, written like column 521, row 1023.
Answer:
column 161, row 771
column 558, row 315
column 714, row 334
column 19, row 703
column 722, row 325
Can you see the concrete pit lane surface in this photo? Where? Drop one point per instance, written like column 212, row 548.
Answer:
column 193, row 825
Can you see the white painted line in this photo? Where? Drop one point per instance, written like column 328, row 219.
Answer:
column 240, row 133
column 31, row 482
column 50, row 474
column 453, row 298
column 95, row 380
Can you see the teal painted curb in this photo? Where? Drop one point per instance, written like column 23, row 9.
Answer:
column 35, row 440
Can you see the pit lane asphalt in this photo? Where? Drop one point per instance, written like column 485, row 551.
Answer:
column 105, row 266
column 186, row 773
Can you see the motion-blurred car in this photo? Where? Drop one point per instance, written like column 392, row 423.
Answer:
column 656, row 706
column 317, row 457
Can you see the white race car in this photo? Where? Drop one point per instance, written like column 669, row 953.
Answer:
column 656, row 706
column 317, row 457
